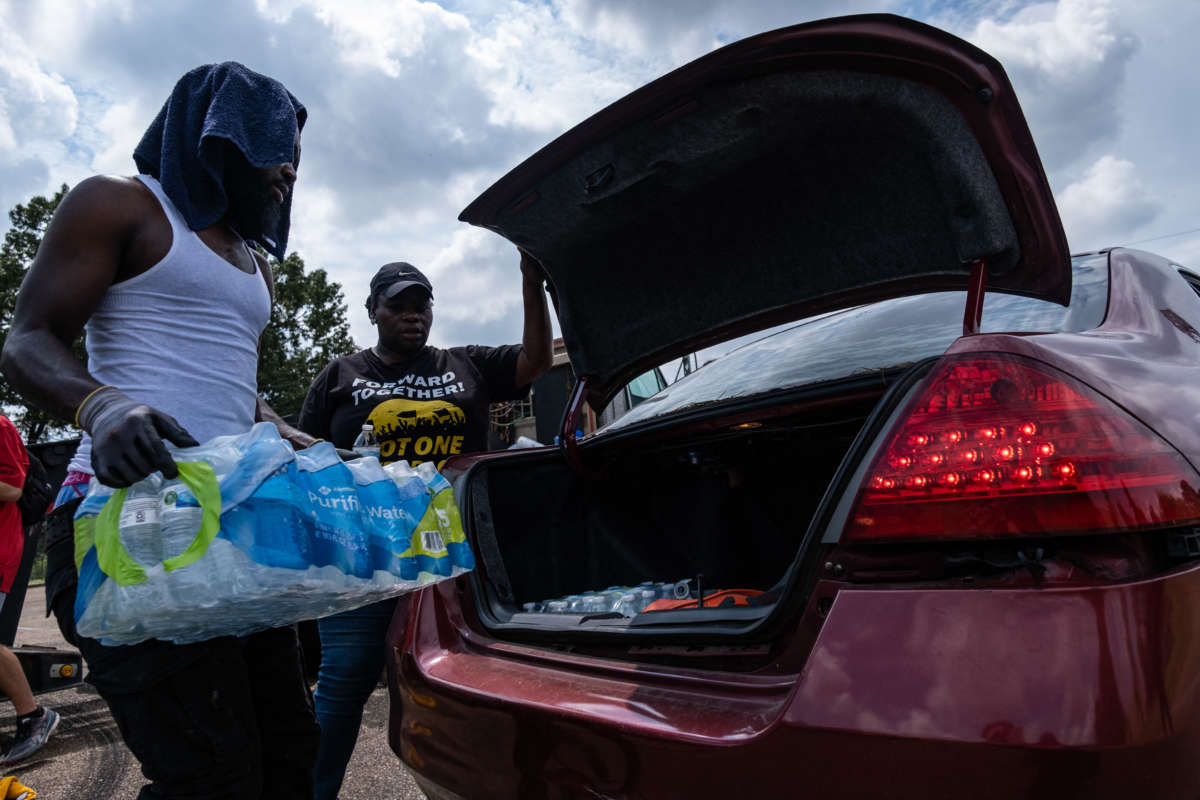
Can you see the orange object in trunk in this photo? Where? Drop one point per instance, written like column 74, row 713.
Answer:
column 741, row 597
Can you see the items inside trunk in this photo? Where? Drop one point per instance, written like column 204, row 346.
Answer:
column 654, row 526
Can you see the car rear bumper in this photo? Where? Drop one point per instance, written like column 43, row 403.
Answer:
column 907, row 693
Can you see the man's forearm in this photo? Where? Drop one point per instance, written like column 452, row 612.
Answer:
column 299, row 439
column 10, row 493
column 46, row 373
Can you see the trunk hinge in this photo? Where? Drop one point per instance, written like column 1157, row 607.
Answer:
column 974, row 311
column 568, row 442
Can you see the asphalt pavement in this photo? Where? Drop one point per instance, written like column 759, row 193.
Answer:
column 85, row 758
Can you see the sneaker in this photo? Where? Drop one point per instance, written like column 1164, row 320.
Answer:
column 31, row 735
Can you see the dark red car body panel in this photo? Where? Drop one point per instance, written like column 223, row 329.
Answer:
column 895, row 691
column 1081, row 692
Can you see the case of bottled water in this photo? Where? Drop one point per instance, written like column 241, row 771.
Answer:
column 255, row 535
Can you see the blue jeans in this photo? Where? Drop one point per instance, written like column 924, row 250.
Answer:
column 352, row 654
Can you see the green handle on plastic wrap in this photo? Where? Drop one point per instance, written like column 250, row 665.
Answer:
column 112, row 557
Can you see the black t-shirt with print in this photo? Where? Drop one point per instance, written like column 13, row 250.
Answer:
column 426, row 410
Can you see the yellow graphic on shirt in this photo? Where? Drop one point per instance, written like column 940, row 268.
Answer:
column 418, row 430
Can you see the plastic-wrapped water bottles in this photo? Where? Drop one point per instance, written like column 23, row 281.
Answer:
column 629, row 601
column 648, row 596
column 254, row 535
column 627, row 605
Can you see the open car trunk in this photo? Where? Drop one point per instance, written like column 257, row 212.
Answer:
column 813, row 168
column 724, row 509
column 803, row 170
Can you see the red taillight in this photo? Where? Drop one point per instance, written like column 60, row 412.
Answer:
column 1000, row 445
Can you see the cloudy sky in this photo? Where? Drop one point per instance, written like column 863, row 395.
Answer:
column 416, row 107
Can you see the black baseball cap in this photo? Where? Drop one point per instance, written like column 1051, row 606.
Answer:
column 394, row 278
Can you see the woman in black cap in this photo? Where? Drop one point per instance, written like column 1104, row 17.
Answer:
column 424, row 403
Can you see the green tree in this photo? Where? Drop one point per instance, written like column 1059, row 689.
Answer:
column 21, row 242
column 308, row 323
column 308, row 330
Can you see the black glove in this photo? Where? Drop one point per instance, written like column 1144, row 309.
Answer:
column 127, row 438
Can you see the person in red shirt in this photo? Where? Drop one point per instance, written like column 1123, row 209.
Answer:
column 34, row 722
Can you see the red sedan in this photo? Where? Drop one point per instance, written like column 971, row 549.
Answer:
column 940, row 537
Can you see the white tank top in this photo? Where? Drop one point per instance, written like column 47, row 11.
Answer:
column 182, row 337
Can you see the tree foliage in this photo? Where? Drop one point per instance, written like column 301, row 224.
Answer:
column 21, row 242
column 308, row 323
column 308, row 330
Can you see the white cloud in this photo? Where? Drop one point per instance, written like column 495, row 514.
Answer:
column 1107, row 205
column 477, row 282
column 384, row 36
column 38, row 110
column 644, row 28
column 1185, row 251
column 677, row 31
column 35, row 105
column 541, row 76
column 1067, row 61
column 416, row 107
column 120, row 128
column 483, row 269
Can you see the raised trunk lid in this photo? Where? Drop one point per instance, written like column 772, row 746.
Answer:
column 804, row 169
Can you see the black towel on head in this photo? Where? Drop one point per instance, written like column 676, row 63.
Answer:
column 184, row 147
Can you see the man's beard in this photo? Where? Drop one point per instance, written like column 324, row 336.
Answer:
column 253, row 211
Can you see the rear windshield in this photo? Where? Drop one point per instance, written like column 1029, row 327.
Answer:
column 875, row 337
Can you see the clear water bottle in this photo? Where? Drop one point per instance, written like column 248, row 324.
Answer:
column 627, row 606
column 138, row 524
column 179, row 525
column 366, row 444
column 612, row 597
column 649, row 595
